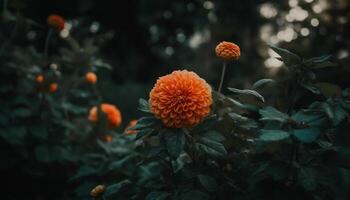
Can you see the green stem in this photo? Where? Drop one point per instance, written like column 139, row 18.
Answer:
column 222, row 76
column 47, row 42
column 99, row 97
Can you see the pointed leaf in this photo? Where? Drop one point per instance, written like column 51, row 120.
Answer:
column 273, row 135
column 262, row 82
column 306, row 135
column 248, row 92
column 288, row 57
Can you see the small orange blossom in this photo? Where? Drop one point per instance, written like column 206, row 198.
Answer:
column 228, row 51
column 113, row 115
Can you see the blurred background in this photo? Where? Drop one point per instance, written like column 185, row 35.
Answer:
column 145, row 39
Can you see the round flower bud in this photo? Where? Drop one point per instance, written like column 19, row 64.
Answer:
column 53, row 87
column 228, row 51
column 114, row 118
column 39, row 79
column 91, row 77
column 98, row 191
column 56, row 22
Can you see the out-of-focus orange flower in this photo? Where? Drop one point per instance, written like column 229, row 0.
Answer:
column 56, row 21
column 228, row 51
column 98, row 191
column 130, row 125
column 108, row 138
column 113, row 115
column 53, row 87
column 39, row 79
column 181, row 99
column 91, row 77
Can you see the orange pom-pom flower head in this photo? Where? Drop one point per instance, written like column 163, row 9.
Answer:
column 181, row 99
column 91, row 77
column 56, row 21
column 97, row 191
column 108, row 138
column 53, row 87
column 39, row 79
column 113, row 116
column 131, row 124
column 228, row 51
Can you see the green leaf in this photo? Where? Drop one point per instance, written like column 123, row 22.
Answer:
column 262, row 82
column 248, row 92
column 21, row 112
column 211, row 147
column 287, row 57
column 144, row 106
column 272, row 114
column 307, row 178
column 118, row 164
column 144, row 122
column 84, row 171
column 306, row 135
column 39, row 131
column 214, row 135
column 243, row 122
column 73, row 108
column 273, row 135
column 309, row 86
column 309, row 118
column 157, row 195
column 206, row 124
column 208, row 182
column 13, row 135
column 175, row 142
column 335, row 113
column 243, row 106
column 320, row 62
column 113, row 189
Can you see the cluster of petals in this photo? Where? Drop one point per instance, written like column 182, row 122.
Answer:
column 56, row 22
column 113, row 116
column 228, row 51
column 91, row 77
column 181, row 99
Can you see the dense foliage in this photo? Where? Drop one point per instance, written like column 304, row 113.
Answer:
column 285, row 137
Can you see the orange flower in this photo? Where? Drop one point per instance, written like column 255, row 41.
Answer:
column 53, row 87
column 108, row 138
column 228, row 51
column 130, row 125
column 91, row 77
column 113, row 115
column 98, row 191
column 56, row 21
column 180, row 99
column 39, row 79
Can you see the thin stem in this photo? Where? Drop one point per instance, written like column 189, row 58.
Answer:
column 222, row 76
column 47, row 42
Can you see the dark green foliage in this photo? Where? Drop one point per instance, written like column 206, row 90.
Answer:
column 292, row 144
